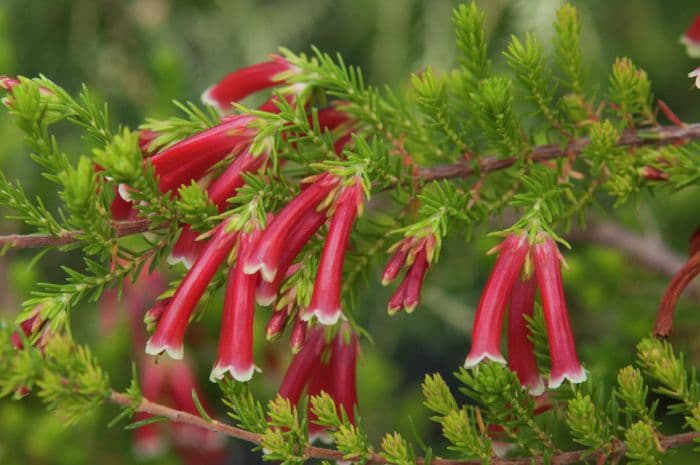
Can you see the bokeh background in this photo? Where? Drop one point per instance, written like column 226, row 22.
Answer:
column 139, row 55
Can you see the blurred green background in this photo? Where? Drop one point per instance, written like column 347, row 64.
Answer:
column 139, row 55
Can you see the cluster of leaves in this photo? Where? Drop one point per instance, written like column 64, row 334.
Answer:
column 65, row 375
column 625, row 423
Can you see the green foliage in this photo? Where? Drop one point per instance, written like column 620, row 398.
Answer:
column 349, row 439
column 65, row 375
column 542, row 169
column 642, row 444
column 567, row 48
column 630, row 90
column 396, row 451
column 587, row 427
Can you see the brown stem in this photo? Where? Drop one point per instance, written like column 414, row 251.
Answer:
column 662, row 135
column 28, row 241
column 664, row 318
column 152, row 408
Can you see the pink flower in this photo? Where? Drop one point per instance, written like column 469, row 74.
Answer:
column 299, row 369
column 303, row 231
column 565, row 363
column 246, row 81
column 343, row 365
column 236, row 337
column 324, row 368
column 412, row 253
column 219, row 191
column 170, row 331
column 298, row 337
column 488, row 321
column 691, row 39
column 320, row 380
column 276, row 323
column 267, row 254
column 521, row 353
column 191, row 158
column 325, row 300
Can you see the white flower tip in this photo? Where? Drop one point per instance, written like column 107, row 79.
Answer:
column 474, row 359
column 176, row 353
column 575, row 376
column 243, row 375
column 207, row 99
column 149, row 447
column 326, row 318
column 123, row 191
column 173, row 260
column 501, row 449
column 537, row 387
column 268, row 273
column 320, row 436
column 263, row 298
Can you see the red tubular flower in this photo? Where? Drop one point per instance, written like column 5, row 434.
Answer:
column 187, row 247
column 302, row 232
column 236, row 337
column 182, row 381
column 246, row 81
column 565, row 363
column 276, row 323
column 170, row 331
column 343, row 366
column 267, row 253
column 521, row 353
column 299, row 370
column 205, row 148
column 298, row 337
column 691, row 39
column 407, row 295
column 488, row 321
column 325, row 300
column 320, row 380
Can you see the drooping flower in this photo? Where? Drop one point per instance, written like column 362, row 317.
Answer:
column 562, row 350
column 325, row 300
column 488, row 321
column 187, row 247
column 267, row 254
column 300, row 234
column 246, row 81
column 299, row 370
column 170, row 330
column 691, row 38
column 521, row 353
column 190, row 158
column 322, row 367
column 343, row 366
column 236, row 336
column 414, row 254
